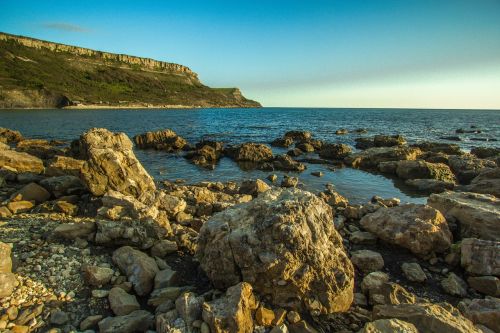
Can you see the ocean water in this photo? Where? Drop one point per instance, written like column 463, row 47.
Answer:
column 264, row 125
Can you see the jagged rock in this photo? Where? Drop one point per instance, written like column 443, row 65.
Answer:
column 364, row 143
column 485, row 152
column 139, row 268
column 64, row 166
column 372, row 157
column 333, row 198
column 311, row 273
column 367, row 261
column 90, row 322
column 31, row 192
column 282, row 142
column 485, row 312
column 166, row 140
column 477, row 214
column 419, row 228
column 112, row 165
column 20, row 162
column 439, row 147
column 390, row 293
column 189, row 307
column 467, row 167
column 480, row 257
column 298, row 135
column 363, row 237
column 253, row 187
column 166, row 278
column 286, row 163
column 163, row 247
column 63, row 185
column 289, row 181
column 10, row 136
column 5, row 258
column 250, row 152
column 207, row 153
column 488, row 285
column 427, row 317
column 420, row 169
column 171, row 204
column 117, row 206
column 97, row 276
column 232, row 312
column 454, row 285
column 74, row 230
column 335, row 151
column 388, row 140
column 430, row 185
column 142, row 234
column 389, row 326
column 121, row 302
column 159, row 296
column 487, row 182
column 137, row 321
column 413, row 272
column 8, row 283
column 169, row 322
column 40, row 148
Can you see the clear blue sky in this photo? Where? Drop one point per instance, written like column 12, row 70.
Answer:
column 387, row 53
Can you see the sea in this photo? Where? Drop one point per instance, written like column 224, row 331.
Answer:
column 476, row 128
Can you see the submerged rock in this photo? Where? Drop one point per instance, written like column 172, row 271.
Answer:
column 372, row 157
column 335, row 151
column 112, row 165
column 246, row 243
column 424, row 170
column 250, row 152
column 419, row 228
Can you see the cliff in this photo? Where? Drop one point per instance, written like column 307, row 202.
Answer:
column 36, row 74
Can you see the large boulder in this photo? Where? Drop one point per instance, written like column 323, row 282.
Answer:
column 284, row 244
column 112, row 165
column 485, row 312
column 477, row 214
column 31, row 192
column 285, row 163
column 40, row 148
column 250, row 152
column 139, row 268
column 335, row 151
column 427, row 317
column 487, row 182
column 10, row 136
column 480, row 257
column 424, row 170
column 485, row 152
column 466, row 167
column 372, row 157
column 20, row 162
column 166, row 140
column 142, row 234
column 419, row 228
column 137, row 321
column 233, row 312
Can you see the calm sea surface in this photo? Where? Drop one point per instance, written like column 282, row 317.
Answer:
column 264, row 125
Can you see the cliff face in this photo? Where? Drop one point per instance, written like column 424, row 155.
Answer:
column 37, row 73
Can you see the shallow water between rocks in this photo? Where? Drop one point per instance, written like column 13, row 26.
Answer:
column 264, row 125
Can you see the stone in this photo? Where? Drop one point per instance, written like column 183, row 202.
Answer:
column 8, row 283
column 419, row 228
column 289, row 181
column 335, row 151
column 485, row 312
column 171, row 204
column 477, row 214
column 420, row 169
column 333, row 198
column 282, row 142
column 485, row 152
column 17, row 207
column 372, row 157
column 159, row 296
column 31, row 192
column 142, row 234
column 5, row 212
column 454, row 285
column 281, row 328
column 480, row 257
column 467, row 167
column 126, row 205
column 166, row 278
column 189, row 307
column 165, row 139
column 5, row 258
column 390, row 293
column 427, row 317
column 388, row 140
column 10, row 136
column 63, row 185
column 363, row 237
column 66, row 208
column 413, row 272
column 317, row 173
column 487, row 182
column 286, row 163
column 250, row 152
column 232, row 312
column 389, row 326
column 137, row 321
column 245, row 243
column 121, row 302
column 264, row 316
column 488, row 285
column 20, row 162
column 163, row 247
column 97, row 276
column 367, row 261
column 341, row 131
column 298, row 135
column 139, row 268
column 293, row 317
column 302, row 327
column 74, row 230
column 253, row 187
column 90, row 322
column 430, row 185
column 111, row 165
column 64, row 166
column 59, row 317
column 373, row 281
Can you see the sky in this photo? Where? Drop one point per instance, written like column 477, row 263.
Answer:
column 314, row 53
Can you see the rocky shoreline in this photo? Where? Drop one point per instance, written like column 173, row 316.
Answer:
column 89, row 241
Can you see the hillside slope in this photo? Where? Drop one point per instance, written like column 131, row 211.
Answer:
column 38, row 74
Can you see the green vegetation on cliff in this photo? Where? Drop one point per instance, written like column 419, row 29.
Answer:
column 36, row 73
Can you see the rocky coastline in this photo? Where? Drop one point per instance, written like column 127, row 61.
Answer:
column 90, row 242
